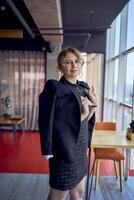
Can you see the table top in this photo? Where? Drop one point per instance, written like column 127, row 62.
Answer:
column 110, row 139
column 11, row 121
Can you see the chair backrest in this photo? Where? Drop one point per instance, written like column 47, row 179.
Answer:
column 105, row 126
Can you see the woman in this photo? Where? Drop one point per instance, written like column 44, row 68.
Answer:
column 66, row 120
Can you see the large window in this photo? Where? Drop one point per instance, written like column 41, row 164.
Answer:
column 130, row 27
column 129, row 78
column 113, row 117
column 119, row 75
column 127, row 117
column 115, row 79
column 117, row 35
column 120, row 68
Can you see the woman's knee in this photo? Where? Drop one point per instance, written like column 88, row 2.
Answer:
column 81, row 193
column 57, row 194
column 77, row 194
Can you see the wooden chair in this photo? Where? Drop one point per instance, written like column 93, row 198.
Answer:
column 108, row 153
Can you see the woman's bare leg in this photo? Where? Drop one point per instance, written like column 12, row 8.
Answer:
column 77, row 193
column 57, row 194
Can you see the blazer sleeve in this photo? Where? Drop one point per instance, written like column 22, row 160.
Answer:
column 45, row 117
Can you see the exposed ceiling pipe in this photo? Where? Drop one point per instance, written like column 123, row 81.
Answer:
column 75, row 28
column 20, row 17
column 88, row 36
column 69, row 34
column 92, row 14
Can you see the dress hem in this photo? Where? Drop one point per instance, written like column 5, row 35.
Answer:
column 68, row 188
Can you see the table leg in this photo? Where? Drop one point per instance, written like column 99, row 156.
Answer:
column 88, row 175
column 91, row 183
column 126, row 164
column 87, row 185
column 22, row 126
column 14, row 131
column 89, row 178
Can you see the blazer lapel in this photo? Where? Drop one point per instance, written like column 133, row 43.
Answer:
column 74, row 92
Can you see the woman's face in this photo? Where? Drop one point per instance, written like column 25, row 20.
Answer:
column 71, row 66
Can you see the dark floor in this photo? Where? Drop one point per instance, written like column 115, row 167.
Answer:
column 35, row 187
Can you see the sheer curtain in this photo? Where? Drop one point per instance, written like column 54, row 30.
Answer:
column 22, row 76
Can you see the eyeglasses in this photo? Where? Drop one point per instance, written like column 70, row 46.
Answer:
column 69, row 63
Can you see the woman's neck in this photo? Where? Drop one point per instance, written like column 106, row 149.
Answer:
column 71, row 80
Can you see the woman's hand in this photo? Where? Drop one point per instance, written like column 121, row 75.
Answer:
column 85, row 109
column 92, row 96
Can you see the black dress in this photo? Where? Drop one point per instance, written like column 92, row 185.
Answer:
column 64, row 175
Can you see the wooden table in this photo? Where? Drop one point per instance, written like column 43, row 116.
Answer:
column 13, row 122
column 111, row 139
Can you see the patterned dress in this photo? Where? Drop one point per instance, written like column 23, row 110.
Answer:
column 64, row 175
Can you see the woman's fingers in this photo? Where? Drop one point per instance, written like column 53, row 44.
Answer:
column 86, row 101
column 92, row 95
column 82, row 98
column 92, row 90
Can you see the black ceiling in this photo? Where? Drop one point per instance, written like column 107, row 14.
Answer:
column 88, row 16
column 10, row 20
column 84, row 24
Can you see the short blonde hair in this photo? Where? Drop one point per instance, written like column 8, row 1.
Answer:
column 63, row 54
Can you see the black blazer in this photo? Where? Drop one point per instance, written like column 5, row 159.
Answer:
column 60, row 119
